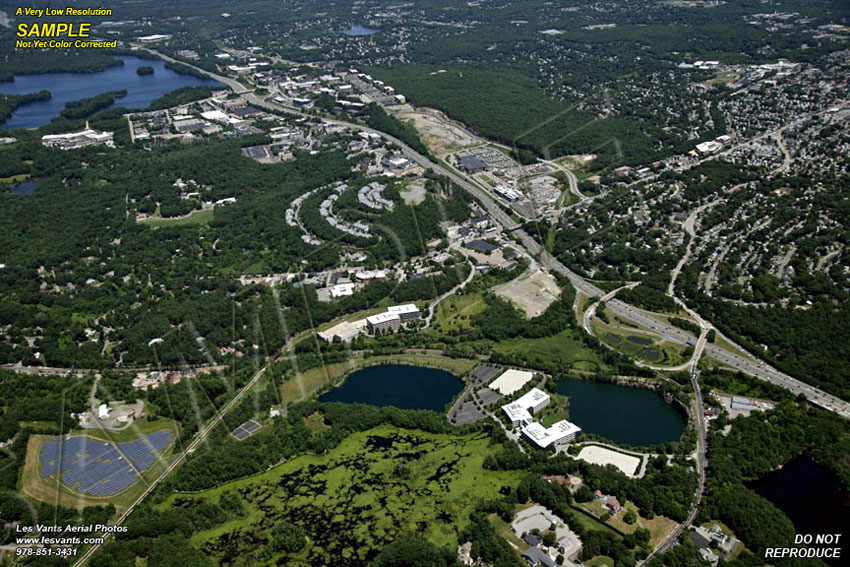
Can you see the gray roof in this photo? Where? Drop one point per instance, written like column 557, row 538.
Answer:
column 535, row 557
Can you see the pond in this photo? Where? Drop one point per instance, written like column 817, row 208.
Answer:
column 402, row 386
column 810, row 496
column 623, row 414
column 25, row 188
column 66, row 87
column 357, row 31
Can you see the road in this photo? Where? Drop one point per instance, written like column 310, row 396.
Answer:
column 679, row 530
column 198, row 439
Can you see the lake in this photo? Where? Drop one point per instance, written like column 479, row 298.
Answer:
column 405, row 387
column 66, row 87
column 357, row 31
column 623, row 414
column 810, row 496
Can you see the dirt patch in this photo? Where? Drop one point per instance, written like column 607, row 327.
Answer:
column 532, row 293
column 439, row 133
column 414, row 193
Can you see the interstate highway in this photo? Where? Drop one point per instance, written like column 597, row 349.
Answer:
column 665, row 331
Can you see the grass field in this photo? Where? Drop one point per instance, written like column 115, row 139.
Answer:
column 565, row 349
column 454, row 313
column 51, row 491
column 195, row 217
column 350, row 502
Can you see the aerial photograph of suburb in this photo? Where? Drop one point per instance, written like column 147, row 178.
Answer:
column 424, row 283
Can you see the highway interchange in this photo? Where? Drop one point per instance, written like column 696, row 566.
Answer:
column 643, row 318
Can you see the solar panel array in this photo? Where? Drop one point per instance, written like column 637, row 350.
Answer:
column 246, row 430
column 97, row 468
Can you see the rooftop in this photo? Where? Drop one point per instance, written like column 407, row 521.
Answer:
column 511, row 381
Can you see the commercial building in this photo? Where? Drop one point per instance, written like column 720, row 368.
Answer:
column 510, row 381
column 383, row 321
column 470, row 164
column 342, row 290
column 346, row 331
column 407, row 312
column 507, row 193
column 522, row 410
column 558, row 434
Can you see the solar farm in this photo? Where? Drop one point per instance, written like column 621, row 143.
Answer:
column 246, row 430
column 96, row 468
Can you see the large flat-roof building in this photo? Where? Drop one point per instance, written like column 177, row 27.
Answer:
column 510, row 381
column 346, row 331
column 383, row 321
column 521, row 411
column 557, row 434
column 407, row 312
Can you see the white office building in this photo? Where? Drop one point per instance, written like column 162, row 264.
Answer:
column 558, row 434
column 521, row 411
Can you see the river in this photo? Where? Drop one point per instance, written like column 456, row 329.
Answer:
column 405, row 387
column 66, row 87
column 623, row 414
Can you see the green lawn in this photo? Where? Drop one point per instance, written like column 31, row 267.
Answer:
column 355, row 499
column 565, row 349
column 455, row 312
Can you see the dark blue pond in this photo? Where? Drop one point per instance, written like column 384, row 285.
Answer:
column 405, row 387
column 623, row 414
column 25, row 188
column 811, row 497
column 66, row 87
column 357, row 31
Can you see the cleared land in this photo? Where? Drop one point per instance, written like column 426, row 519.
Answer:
column 353, row 500
column 532, row 294
column 195, row 217
column 438, row 132
column 52, row 491
column 602, row 456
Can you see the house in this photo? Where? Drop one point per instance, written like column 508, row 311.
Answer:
column 464, row 553
column 534, row 557
column 613, row 505
column 531, row 540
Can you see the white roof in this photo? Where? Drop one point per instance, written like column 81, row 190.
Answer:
column 399, row 309
column 215, row 115
column 510, row 381
column 345, row 330
column 520, row 409
column 382, row 318
column 545, row 436
column 341, row 290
